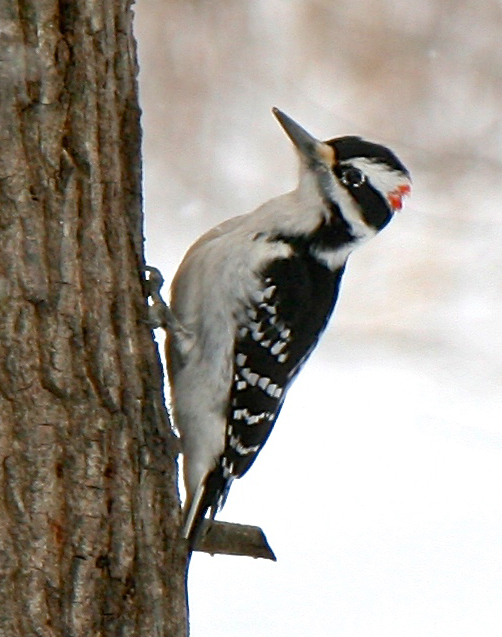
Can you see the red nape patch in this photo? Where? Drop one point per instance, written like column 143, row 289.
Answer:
column 396, row 196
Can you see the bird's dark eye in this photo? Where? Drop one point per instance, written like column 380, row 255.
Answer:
column 353, row 177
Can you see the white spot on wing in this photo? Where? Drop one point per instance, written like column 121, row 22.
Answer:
column 240, row 448
column 251, row 377
column 269, row 292
column 278, row 347
column 240, row 414
column 240, row 359
column 263, row 382
column 271, row 389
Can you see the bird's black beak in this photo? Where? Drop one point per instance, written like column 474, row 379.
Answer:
column 312, row 149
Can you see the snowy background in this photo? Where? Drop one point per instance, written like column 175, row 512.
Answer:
column 379, row 489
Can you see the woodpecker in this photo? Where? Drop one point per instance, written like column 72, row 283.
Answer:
column 252, row 297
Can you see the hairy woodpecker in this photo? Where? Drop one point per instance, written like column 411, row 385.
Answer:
column 252, row 297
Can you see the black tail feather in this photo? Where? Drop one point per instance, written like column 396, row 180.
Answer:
column 215, row 491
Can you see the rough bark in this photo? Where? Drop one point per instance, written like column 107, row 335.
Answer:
column 89, row 508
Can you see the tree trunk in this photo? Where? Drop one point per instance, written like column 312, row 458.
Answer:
column 89, row 508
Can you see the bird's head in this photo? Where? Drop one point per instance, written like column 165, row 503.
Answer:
column 364, row 180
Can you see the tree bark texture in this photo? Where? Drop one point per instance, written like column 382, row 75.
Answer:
column 89, row 508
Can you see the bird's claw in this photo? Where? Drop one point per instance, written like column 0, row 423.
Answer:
column 154, row 282
column 160, row 314
column 158, row 311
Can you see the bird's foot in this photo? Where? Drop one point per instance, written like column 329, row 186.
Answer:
column 159, row 313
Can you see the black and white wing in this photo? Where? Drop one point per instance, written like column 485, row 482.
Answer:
column 280, row 330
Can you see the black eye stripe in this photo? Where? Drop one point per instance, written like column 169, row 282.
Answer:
column 374, row 208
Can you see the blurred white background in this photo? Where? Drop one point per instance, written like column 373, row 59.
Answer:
column 379, row 488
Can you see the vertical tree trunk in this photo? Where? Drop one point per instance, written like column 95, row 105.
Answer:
column 88, row 502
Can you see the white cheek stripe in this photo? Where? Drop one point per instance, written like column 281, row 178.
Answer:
column 350, row 211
